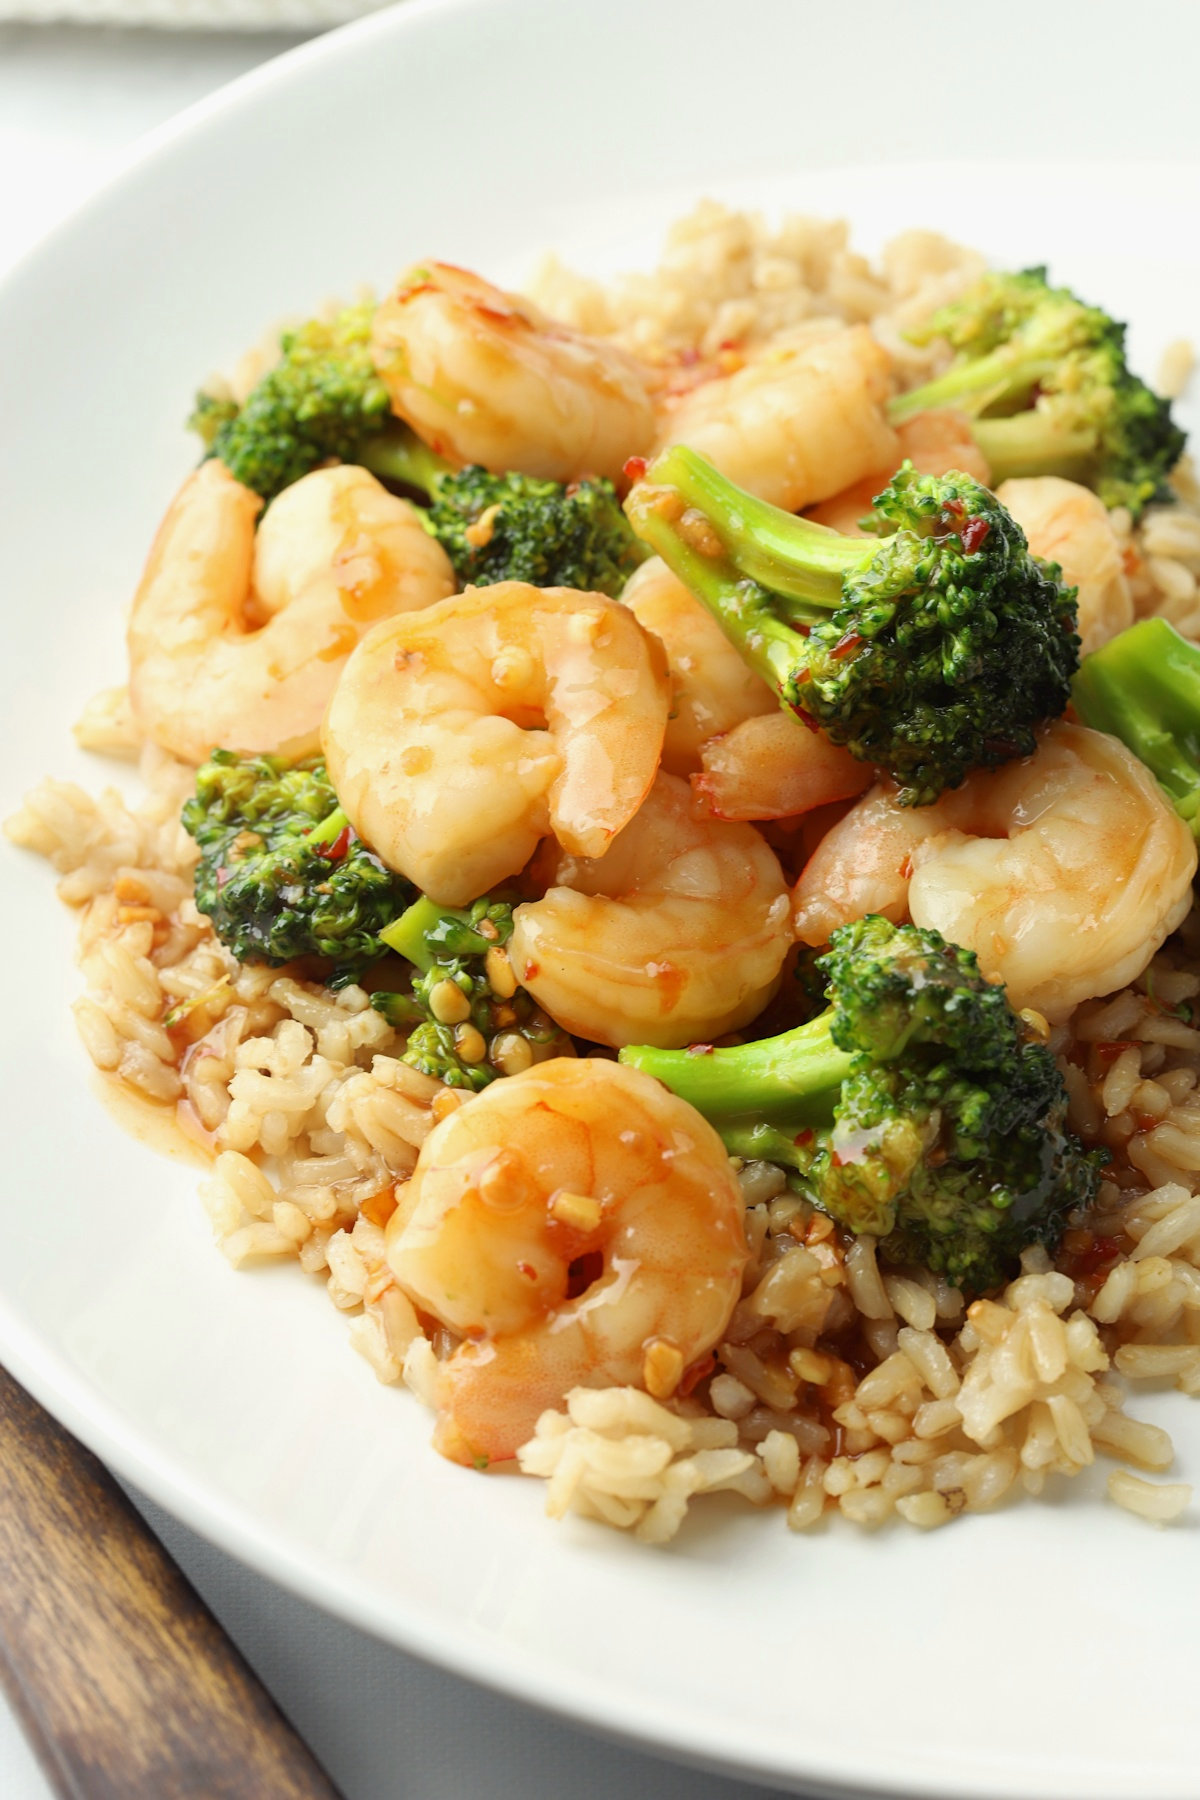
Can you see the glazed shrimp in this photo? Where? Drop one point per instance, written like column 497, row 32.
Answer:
column 800, row 421
column 486, row 377
column 934, row 442
column 237, row 639
column 678, row 933
column 1068, row 524
column 1064, row 871
column 711, row 687
column 576, row 1225
column 459, row 737
column 774, row 767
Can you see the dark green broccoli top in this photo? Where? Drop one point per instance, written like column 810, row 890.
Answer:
column 518, row 528
column 467, row 1018
column 917, row 1107
column 281, row 872
column 1143, row 687
column 318, row 404
column 1043, row 377
column 934, row 651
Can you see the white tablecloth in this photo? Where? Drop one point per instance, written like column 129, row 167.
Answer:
column 386, row 1727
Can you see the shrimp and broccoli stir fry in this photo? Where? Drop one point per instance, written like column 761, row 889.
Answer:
column 697, row 802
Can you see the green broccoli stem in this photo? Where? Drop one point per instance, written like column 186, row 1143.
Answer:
column 800, row 563
column 408, row 935
column 792, row 557
column 1143, row 687
column 1007, row 374
column 329, row 830
column 1030, row 443
column 762, row 1096
column 398, row 454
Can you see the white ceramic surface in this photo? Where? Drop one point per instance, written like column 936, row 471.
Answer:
column 1048, row 1650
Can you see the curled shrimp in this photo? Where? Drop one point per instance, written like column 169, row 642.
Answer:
column 1063, row 871
column 238, row 639
column 576, row 1225
column 459, row 737
column 775, row 767
column 800, row 421
column 711, row 687
column 1068, row 524
column 486, row 377
column 934, row 443
column 677, row 933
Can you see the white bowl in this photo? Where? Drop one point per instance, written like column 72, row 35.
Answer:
column 1049, row 1650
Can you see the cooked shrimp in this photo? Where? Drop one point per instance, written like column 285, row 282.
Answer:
column 1068, row 524
column 1064, row 871
column 802, row 420
column 773, row 767
column 711, row 687
column 678, row 933
column 237, row 639
column 934, row 442
column 459, row 737
column 485, row 377
column 576, row 1225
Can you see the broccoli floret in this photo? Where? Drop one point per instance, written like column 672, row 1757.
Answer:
column 1044, row 379
column 917, row 1107
column 468, row 1020
column 1143, row 687
column 318, row 404
column 933, row 652
column 281, row 873
column 514, row 527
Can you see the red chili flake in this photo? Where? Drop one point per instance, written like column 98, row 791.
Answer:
column 809, row 724
column 223, row 875
column 699, row 1049
column 802, row 630
column 804, row 1138
column 527, row 1270
column 803, row 675
column 906, row 869
column 846, row 646
column 954, row 509
column 635, row 467
column 1110, row 1052
column 1100, row 1252
column 532, row 971
column 697, row 1373
column 341, row 843
column 1146, row 1121
column 973, row 534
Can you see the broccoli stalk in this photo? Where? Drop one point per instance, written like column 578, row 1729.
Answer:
column 323, row 401
column 917, row 1107
column 1043, row 378
column 1143, row 687
column 467, row 1019
column 933, row 652
column 281, row 872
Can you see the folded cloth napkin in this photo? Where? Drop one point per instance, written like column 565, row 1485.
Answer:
column 206, row 15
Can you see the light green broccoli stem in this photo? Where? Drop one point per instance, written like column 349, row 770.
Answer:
column 408, row 935
column 1143, row 687
column 1007, row 373
column 1031, row 443
column 329, row 830
column 761, row 1097
column 399, row 455
column 765, row 549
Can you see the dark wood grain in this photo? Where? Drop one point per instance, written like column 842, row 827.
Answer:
column 128, row 1687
